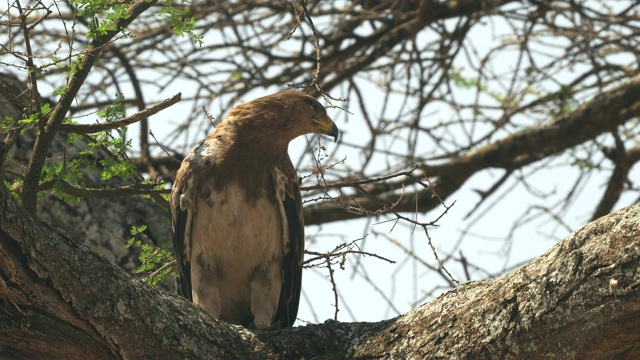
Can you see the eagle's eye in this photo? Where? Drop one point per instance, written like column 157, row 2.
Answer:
column 316, row 108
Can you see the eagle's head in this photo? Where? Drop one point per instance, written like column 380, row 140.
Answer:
column 288, row 114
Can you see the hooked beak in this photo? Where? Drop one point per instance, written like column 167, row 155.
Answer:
column 328, row 127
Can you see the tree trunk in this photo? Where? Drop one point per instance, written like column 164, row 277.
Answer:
column 580, row 299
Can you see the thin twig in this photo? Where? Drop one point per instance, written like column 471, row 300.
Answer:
column 316, row 44
column 358, row 182
column 122, row 191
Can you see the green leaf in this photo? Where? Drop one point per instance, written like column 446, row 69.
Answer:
column 135, row 230
column 153, row 259
column 181, row 23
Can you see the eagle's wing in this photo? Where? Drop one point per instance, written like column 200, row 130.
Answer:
column 182, row 206
column 293, row 248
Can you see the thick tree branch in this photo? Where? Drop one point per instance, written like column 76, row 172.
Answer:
column 122, row 191
column 55, row 291
column 77, row 300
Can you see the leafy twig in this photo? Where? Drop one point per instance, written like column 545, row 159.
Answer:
column 56, row 117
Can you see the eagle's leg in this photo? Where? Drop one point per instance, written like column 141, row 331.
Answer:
column 206, row 292
column 266, row 284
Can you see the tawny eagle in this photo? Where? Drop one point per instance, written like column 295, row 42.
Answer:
column 237, row 212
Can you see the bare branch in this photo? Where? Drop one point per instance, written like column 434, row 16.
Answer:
column 94, row 128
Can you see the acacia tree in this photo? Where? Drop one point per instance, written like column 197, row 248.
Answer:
column 567, row 98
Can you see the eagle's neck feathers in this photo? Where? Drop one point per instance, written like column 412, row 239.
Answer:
column 246, row 158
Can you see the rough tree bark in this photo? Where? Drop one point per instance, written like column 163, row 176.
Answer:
column 580, row 299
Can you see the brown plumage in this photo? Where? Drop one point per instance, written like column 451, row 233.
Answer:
column 237, row 212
